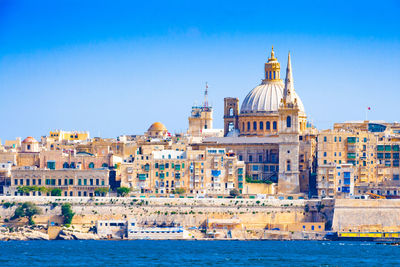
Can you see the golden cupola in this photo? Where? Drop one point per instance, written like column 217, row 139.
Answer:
column 272, row 68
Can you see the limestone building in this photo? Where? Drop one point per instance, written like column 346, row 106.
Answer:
column 72, row 182
column 201, row 117
column 199, row 172
column 371, row 147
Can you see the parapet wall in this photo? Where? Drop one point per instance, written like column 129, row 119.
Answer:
column 366, row 215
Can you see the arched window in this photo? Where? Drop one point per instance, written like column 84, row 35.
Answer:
column 268, row 126
column 270, row 75
column 248, row 126
column 105, row 165
column 288, row 165
column 254, row 125
column 274, row 125
column 261, row 125
column 231, row 112
column 243, row 126
column 231, row 127
column 65, row 165
column 288, row 121
column 72, row 165
column 91, row 165
column 274, row 75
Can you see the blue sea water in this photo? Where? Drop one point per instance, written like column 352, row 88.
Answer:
column 197, row 253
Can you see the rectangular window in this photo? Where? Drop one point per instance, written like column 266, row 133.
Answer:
column 255, row 167
column 79, row 181
column 71, row 181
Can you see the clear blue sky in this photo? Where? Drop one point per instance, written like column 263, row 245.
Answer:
column 114, row 67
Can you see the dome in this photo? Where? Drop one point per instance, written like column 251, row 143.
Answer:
column 29, row 139
column 266, row 98
column 157, row 126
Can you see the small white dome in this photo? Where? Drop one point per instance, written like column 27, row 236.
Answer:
column 266, row 98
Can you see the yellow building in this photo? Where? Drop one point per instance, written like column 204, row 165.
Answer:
column 60, row 135
column 371, row 147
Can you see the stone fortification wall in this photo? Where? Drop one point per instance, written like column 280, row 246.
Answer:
column 253, row 213
column 366, row 215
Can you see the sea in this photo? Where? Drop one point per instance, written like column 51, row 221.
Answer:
column 197, row 253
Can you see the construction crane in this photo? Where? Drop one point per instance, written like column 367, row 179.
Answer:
column 375, row 196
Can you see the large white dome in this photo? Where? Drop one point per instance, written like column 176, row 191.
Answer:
column 266, row 98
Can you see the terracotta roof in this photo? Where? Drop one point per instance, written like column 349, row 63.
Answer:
column 29, row 139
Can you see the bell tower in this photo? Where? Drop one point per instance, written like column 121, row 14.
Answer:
column 289, row 130
column 231, row 113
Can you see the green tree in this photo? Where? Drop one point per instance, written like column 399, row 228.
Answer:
column 27, row 209
column 179, row 191
column 67, row 213
column 56, row 192
column 234, row 193
column 123, row 191
column 100, row 191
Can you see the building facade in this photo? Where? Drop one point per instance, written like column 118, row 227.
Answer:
column 71, row 182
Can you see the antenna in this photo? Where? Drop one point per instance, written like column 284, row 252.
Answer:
column 206, row 96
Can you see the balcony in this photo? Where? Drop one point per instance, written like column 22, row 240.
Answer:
column 351, row 155
column 351, row 140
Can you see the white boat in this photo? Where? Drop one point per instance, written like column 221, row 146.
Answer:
column 136, row 232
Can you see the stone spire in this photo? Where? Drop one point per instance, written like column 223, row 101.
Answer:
column 288, row 92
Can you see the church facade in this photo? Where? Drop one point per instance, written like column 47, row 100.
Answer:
column 270, row 132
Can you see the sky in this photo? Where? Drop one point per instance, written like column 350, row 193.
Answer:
column 115, row 67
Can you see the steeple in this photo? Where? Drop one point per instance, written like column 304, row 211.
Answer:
column 272, row 68
column 288, row 92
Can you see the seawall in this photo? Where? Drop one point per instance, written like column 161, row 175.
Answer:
column 368, row 215
column 254, row 214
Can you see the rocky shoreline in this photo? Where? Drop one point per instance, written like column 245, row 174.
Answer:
column 26, row 233
column 29, row 233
